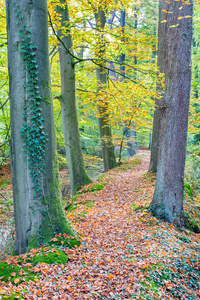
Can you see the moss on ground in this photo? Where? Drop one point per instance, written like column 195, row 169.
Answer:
column 51, row 253
column 13, row 296
column 139, row 207
column 92, row 188
column 48, row 256
column 62, row 241
column 16, row 274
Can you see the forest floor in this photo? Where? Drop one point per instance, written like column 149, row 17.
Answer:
column 125, row 252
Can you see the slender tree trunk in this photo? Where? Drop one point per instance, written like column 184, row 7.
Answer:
column 37, row 198
column 168, row 196
column 158, row 102
column 77, row 172
column 129, row 134
column 103, row 121
column 196, row 85
column 196, row 73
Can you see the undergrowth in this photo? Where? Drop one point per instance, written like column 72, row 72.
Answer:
column 21, row 268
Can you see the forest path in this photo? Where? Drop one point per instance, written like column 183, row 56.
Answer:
column 102, row 268
column 123, row 246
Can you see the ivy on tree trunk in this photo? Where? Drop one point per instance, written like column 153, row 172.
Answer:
column 38, row 210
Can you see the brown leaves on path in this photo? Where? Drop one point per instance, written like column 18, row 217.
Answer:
column 121, row 242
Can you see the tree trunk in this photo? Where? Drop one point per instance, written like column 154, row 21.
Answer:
column 129, row 131
column 158, row 102
column 37, row 198
column 103, row 121
column 77, row 172
column 168, row 196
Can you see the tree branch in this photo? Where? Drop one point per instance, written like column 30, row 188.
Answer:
column 95, row 61
column 4, row 104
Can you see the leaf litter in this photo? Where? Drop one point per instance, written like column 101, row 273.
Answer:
column 125, row 253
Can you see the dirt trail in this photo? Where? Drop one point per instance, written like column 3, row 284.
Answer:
column 121, row 242
column 101, row 268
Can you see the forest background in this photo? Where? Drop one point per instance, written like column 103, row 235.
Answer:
column 130, row 98
column 114, row 56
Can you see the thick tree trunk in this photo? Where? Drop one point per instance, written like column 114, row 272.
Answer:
column 168, row 196
column 77, row 172
column 37, row 198
column 103, row 121
column 158, row 102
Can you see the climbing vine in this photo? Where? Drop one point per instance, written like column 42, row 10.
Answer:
column 35, row 138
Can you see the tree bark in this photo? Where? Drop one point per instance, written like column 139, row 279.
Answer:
column 36, row 192
column 168, row 196
column 103, row 120
column 77, row 172
column 129, row 131
column 158, row 102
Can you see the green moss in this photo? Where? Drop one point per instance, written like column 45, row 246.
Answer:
column 83, row 180
column 93, row 188
column 139, row 207
column 6, row 270
column 54, row 219
column 52, row 256
column 64, row 242
column 47, row 100
column 14, row 296
column 41, row 236
column 10, row 273
column 97, row 187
